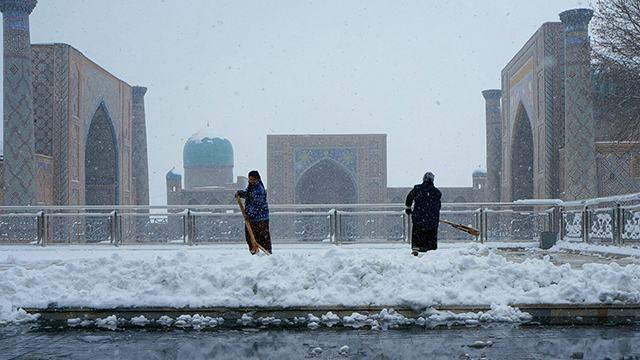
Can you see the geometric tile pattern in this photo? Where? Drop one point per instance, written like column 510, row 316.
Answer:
column 614, row 174
column 44, row 177
column 19, row 151
column 65, row 88
column 494, row 143
column 43, row 78
column 140, row 167
column 580, row 155
column 305, row 158
column 553, row 112
column 364, row 157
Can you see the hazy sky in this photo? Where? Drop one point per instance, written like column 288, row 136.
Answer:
column 413, row 70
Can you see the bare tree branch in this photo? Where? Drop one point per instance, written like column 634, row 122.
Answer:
column 615, row 30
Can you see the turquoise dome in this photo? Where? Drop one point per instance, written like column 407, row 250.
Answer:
column 479, row 172
column 204, row 148
column 173, row 175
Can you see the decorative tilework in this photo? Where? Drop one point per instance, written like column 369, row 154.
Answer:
column 305, row 158
column 43, row 77
column 363, row 156
column 553, row 116
column 79, row 87
column 615, row 174
column 494, row 143
column 66, row 151
column 580, row 161
column 139, row 143
column 19, row 147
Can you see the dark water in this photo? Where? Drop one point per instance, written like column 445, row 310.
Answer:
column 495, row 342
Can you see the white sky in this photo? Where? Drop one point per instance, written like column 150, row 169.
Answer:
column 413, row 70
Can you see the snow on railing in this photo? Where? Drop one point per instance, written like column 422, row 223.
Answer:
column 610, row 220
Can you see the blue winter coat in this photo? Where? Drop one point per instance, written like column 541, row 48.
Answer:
column 255, row 205
column 426, row 211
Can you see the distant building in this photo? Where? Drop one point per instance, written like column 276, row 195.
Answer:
column 327, row 169
column 74, row 134
column 208, row 172
column 546, row 129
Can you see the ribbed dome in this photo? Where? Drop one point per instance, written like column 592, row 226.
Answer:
column 204, row 148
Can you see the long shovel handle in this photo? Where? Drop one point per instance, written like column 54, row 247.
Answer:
column 253, row 238
column 467, row 229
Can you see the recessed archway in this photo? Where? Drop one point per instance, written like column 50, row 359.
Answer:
column 522, row 158
column 326, row 182
column 101, row 160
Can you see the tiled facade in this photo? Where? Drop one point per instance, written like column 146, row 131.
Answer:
column 19, row 163
column 313, row 168
column 77, row 107
column 548, row 147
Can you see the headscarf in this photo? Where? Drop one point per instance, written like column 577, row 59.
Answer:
column 428, row 177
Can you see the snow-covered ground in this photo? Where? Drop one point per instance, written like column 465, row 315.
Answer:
column 101, row 276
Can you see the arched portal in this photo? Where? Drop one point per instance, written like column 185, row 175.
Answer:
column 101, row 161
column 522, row 158
column 326, row 182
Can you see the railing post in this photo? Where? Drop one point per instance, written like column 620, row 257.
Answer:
column 41, row 227
column 45, row 224
column 184, row 227
column 562, row 230
column 482, row 225
column 616, row 226
column 338, row 227
column 585, row 224
column 115, row 228
column 332, row 226
column 190, row 227
column 556, row 220
column 405, row 227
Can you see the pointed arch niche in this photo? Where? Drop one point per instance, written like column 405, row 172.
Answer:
column 326, row 182
column 101, row 160
column 522, row 157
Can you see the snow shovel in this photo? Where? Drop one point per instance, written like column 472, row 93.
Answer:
column 253, row 238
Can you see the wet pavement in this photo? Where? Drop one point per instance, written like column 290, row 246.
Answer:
column 492, row 343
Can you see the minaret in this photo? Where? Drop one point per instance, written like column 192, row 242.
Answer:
column 494, row 143
column 139, row 143
column 19, row 143
column 579, row 133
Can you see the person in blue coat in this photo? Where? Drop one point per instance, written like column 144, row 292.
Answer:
column 257, row 209
column 425, row 215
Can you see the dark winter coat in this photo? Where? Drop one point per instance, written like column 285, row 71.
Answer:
column 255, row 205
column 426, row 211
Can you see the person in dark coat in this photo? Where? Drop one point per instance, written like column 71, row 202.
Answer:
column 425, row 216
column 257, row 210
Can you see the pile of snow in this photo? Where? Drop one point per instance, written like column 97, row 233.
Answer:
column 386, row 319
column 298, row 276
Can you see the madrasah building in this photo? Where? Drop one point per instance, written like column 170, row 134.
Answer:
column 74, row 134
column 550, row 128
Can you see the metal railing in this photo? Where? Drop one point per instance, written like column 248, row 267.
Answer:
column 609, row 221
